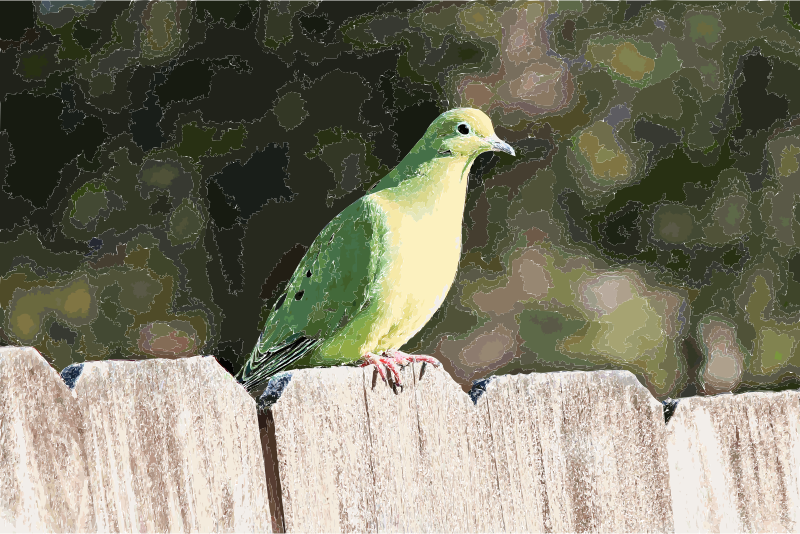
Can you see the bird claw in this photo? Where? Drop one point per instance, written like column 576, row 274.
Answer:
column 392, row 358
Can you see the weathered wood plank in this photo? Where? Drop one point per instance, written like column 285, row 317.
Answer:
column 734, row 463
column 323, row 442
column 171, row 445
column 403, row 473
column 487, row 509
column 161, row 445
column 443, row 414
column 508, row 428
column 395, row 449
column 579, row 452
column 44, row 485
column 541, row 452
column 480, row 497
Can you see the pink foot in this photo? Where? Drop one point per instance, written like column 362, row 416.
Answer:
column 402, row 358
column 374, row 359
column 392, row 358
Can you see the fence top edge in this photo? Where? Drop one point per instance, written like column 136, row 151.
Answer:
column 481, row 390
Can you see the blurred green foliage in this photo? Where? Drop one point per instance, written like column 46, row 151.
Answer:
column 164, row 166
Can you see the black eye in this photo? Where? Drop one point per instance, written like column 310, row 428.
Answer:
column 463, row 128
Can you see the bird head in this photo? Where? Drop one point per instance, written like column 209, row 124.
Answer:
column 464, row 132
column 456, row 135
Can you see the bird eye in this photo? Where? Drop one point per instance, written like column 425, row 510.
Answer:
column 463, row 128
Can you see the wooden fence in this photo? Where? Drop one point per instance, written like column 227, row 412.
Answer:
column 164, row 445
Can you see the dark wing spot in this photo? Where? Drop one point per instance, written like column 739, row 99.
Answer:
column 331, row 239
column 343, row 321
column 308, row 274
column 280, row 301
column 298, row 295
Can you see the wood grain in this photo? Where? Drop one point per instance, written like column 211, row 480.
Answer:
column 538, row 453
column 171, row 445
column 734, row 463
column 323, row 454
column 165, row 445
column 575, row 450
column 44, row 483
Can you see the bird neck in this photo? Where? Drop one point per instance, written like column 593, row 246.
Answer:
column 437, row 185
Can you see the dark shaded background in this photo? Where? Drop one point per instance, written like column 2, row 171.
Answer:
column 164, row 166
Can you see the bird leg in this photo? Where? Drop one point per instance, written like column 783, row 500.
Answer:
column 392, row 358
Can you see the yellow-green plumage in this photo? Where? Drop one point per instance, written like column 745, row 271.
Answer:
column 381, row 268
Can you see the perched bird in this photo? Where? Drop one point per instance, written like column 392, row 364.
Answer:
column 380, row 269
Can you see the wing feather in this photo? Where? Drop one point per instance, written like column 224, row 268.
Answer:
column 328, row 288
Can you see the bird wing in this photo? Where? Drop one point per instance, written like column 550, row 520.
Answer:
column 331, row 285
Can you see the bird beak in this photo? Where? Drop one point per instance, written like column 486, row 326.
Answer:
column 500, row 146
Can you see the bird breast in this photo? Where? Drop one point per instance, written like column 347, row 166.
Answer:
column 417, row 265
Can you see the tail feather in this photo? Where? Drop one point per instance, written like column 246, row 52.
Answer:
column 262, row 366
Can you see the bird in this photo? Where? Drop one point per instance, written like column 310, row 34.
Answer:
column 377, row 273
